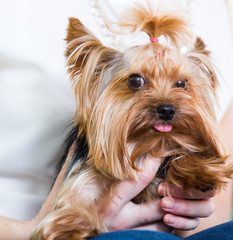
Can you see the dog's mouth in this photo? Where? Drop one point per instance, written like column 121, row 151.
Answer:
column 163, row 127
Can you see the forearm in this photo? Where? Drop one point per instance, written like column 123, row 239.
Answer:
column 15, row 230
column 11, row 229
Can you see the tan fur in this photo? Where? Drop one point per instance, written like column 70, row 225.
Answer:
column 166, row 19
column 118, row 121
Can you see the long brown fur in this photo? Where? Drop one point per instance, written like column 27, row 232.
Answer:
column 118, row 122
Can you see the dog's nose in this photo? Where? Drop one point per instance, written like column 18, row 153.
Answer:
column 166, row 112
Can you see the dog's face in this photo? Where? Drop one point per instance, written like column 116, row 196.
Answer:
column 141, row 101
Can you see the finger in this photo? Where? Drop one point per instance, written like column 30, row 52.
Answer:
column 181, row 223
column 127, row 190
column 157, row 226
column 133, row 215
column 178, row 192
column 145, row 213
column 188, row 208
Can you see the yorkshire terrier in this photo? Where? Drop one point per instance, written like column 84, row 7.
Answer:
column 152, row 99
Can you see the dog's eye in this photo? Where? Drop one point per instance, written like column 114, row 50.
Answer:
column 135, row 82
column 182, row 84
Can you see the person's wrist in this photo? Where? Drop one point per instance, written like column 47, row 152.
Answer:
column 28, row 227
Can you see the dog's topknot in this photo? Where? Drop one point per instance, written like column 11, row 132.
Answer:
column 159, row 21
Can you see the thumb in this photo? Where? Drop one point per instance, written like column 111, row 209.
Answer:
column 148, row 170
column 128, row 189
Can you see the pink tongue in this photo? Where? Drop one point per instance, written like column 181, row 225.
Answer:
column 163, row 127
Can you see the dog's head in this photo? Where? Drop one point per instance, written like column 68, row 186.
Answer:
column 150, row 99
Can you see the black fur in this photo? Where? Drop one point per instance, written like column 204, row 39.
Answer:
column 80, row 152
column 162, row 171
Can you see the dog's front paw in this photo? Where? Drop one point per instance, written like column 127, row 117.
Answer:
column 66, row 224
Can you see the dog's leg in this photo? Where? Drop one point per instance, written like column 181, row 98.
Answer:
column 75, row 214
column 71, row 223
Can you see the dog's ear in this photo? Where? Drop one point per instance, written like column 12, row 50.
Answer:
column 79, row 43
column 200, row 56
column 84, row 50
column 76, row 30
column 200, row 47
column 90, row 65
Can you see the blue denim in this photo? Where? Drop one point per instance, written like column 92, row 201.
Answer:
column 220, row 232
column 136, row 234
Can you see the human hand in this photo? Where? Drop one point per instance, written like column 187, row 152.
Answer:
column 184, row 212
column 121, row 213
column 185, row 209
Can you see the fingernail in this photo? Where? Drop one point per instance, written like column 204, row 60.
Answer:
column 169, row 219
column 161, row 189
column 167, row 203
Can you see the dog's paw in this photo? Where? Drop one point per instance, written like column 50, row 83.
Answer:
column 66, row 224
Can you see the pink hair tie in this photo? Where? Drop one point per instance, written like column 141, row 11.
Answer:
column 154, row 39
column 160, row 53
